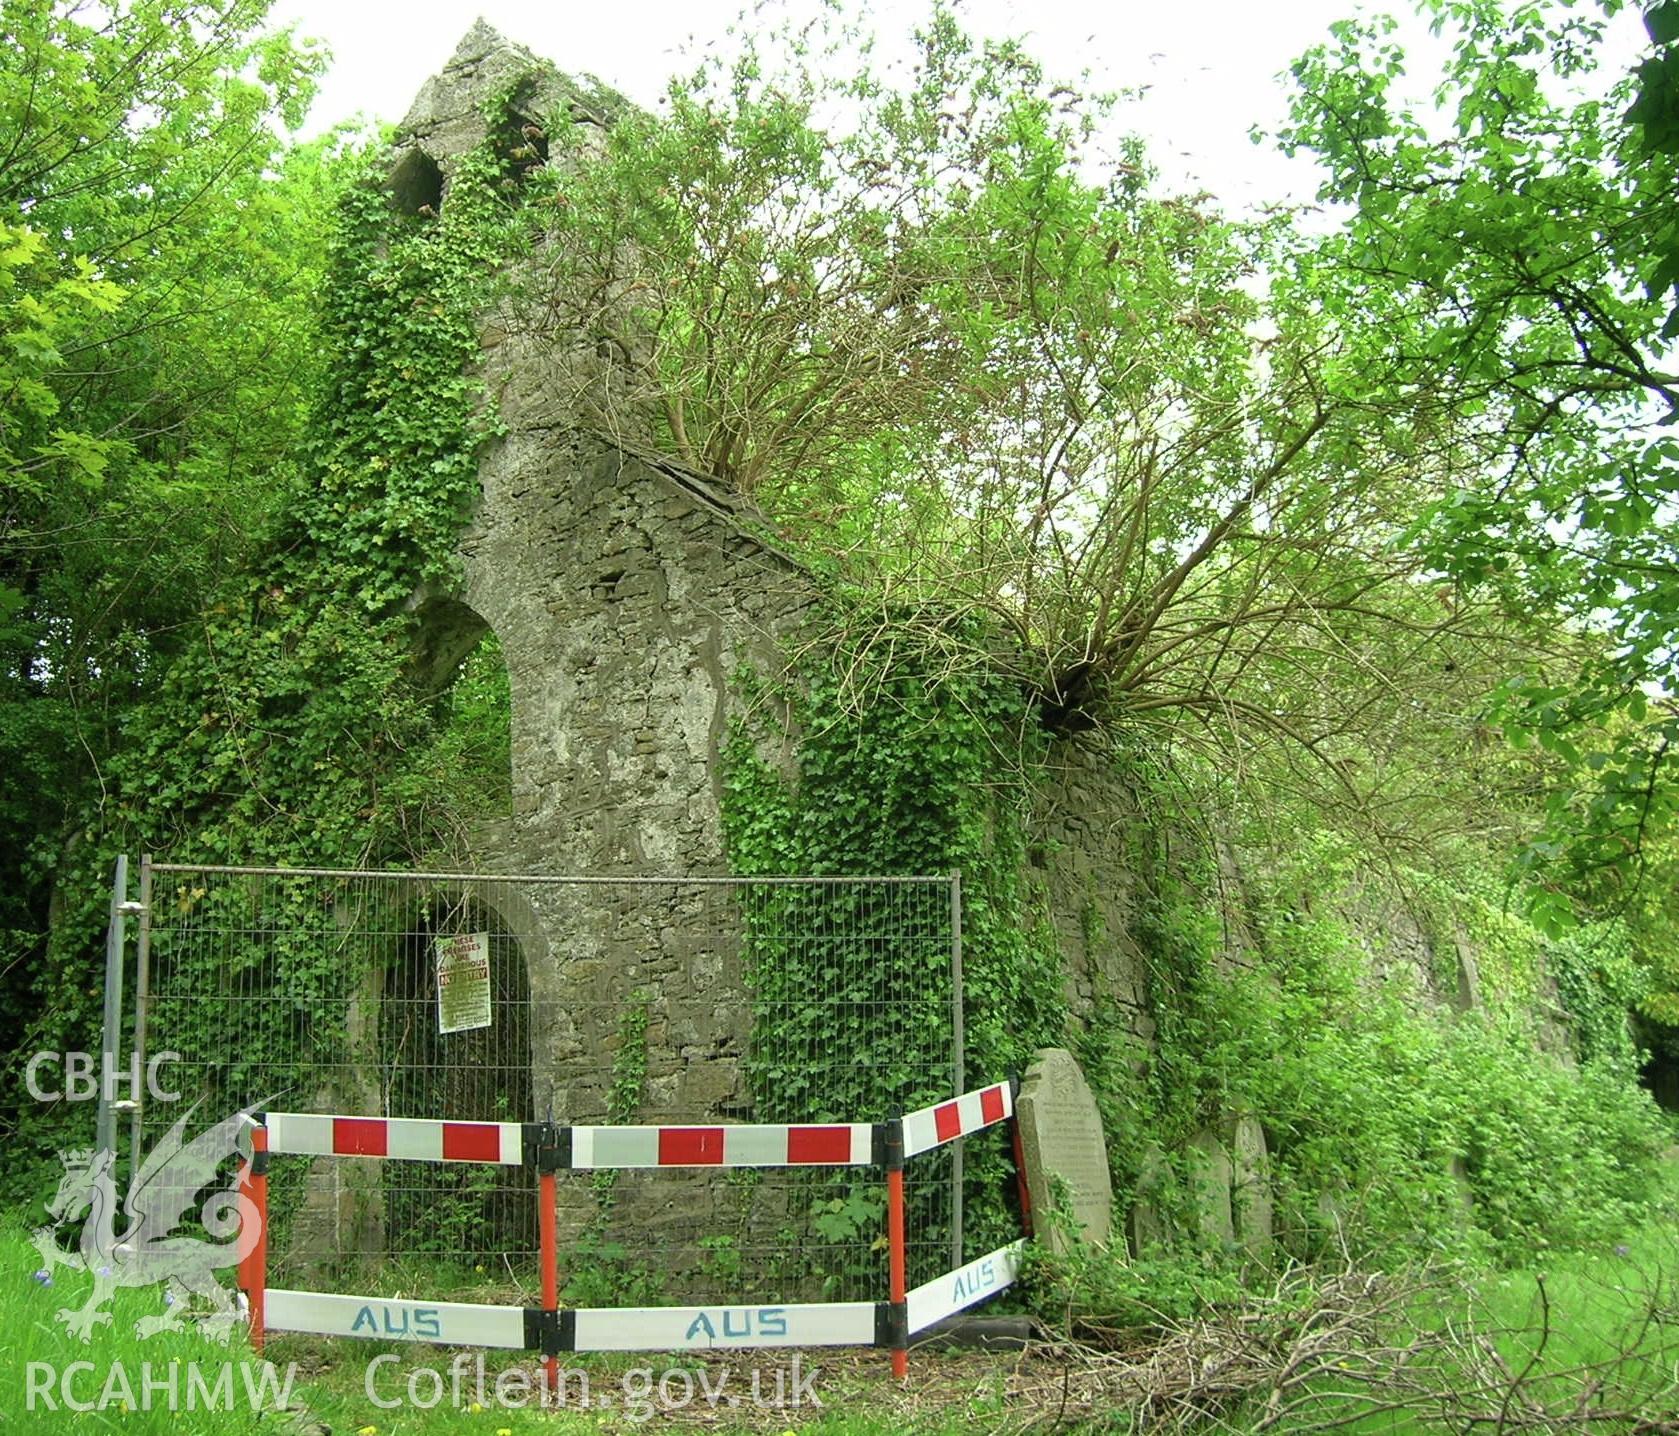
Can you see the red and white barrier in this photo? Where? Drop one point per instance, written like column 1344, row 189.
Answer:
column 691, row 1328
column 847, row 1144
column 960, row 1117
column 408, row 1138
column 551, row 1148
column 597, row 1148
column 979, row 1280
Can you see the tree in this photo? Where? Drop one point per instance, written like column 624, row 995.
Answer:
column 1654, row 114
column 967, row 364
column 1510, row 253
column 159, row 247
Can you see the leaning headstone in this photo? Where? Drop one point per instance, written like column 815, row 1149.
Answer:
column 1151, row 1228
column 1462, row 1189
column 1467, row 994
column 1250, row 1185
column 1209, row 1187
column 1063, row 1146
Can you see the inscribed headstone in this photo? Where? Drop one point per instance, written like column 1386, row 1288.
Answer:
column 1062, row 1142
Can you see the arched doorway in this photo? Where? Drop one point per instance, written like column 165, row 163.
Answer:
column 461, row 1212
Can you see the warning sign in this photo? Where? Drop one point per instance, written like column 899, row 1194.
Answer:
column 463, row 982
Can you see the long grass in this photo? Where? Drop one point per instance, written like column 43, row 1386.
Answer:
column 1588, row 1341
column 329, row 1386
column 46, row 1372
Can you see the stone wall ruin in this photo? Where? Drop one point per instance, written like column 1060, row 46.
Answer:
column 626, row 592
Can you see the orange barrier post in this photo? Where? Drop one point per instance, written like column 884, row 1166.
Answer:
column 897, row 1265
column 1020, row 1164
column 253, row 1267
column 545, row 1204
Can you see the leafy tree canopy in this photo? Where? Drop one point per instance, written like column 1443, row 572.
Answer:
column 1511, row 252
column 159, row 244
column 969, row 358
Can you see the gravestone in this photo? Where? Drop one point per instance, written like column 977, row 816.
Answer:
column 1062, row 1143
column 1250, row 1184
column 1467, row 994
column 1151, row 1228
column 1463, row 1189
column 1209, row 1186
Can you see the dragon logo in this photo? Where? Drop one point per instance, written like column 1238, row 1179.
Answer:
column 162, row 1193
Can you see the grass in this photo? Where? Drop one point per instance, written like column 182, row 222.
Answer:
column 1589, row 1340
column 1599, row 1326
column 115, row 1360
column 856, row 1393
column 330, row 1385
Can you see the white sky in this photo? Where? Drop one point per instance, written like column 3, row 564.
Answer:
column 1212, row 66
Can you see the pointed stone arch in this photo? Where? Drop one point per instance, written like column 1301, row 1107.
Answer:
column 481, row 1074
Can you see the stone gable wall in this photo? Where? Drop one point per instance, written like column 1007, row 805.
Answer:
column 627, row 594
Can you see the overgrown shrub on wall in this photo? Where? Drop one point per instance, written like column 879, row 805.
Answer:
column 1396, row 1122
column 1399, row 1124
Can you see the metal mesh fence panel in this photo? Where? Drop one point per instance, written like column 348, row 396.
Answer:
column 659, row 1001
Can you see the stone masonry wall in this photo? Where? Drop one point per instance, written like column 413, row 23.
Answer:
column 627, row 593
column 625, row 597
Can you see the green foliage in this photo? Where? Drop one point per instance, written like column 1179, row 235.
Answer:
column 629, row 1061
column 1601, row 982
column 160, row 248
column 1654, row 114
column 856, row 1217
column 451, row 1218
column 42, row 304
column 291, row 726
column 281, row 732
column 910, row 785
column 1086, row 1282
column 1117, row 1067
column 1601, row 970
column 624, row 1092
column 1516, row 262
column 1368, row 1096
column 393, row 462
column 140, row 136
column 464, row 772
column 602, row 1271
column 923, row 780
column 1376, row 1106
column 1198, row 482
column 965, row 363
column 762, row 272
column 31, row 1334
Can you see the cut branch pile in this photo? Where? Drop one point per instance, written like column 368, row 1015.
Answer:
column 1318, row 1355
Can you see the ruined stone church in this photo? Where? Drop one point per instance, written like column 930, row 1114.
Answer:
column 626, row 593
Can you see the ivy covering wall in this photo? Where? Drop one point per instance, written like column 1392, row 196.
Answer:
column 1402, row 1119
column 929, row 777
